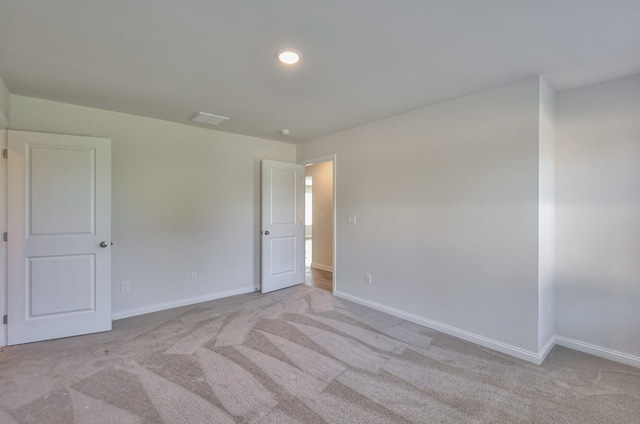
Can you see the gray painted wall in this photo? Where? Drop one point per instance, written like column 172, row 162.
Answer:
column 446, row 199
column 598, row 215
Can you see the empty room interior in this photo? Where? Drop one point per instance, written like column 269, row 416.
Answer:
column 320, row 212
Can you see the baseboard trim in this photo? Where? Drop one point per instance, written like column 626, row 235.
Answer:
column 169, row 305
column 547, row 348
column 536, row 358
column 447, row 329
column 322, row 267
column 602, row 352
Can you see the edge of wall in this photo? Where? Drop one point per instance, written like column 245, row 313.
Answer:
column 602, row 352
column 5, row 106
column 498, row 346
column 169, row 305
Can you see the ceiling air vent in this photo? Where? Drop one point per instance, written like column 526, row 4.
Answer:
column 208, row 118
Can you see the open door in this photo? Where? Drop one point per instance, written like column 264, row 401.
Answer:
column 59, row 220
column 282, row 225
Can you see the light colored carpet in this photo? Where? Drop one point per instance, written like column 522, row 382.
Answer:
column 300, row 356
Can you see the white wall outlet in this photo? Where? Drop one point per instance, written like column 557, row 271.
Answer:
column 194, row 276
column 353, row 219
column 367, row 278
column 125, row 287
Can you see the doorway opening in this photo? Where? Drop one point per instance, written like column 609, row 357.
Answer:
column 319, row 224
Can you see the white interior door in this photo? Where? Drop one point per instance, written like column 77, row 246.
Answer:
column 282, row 225
column 59, row 220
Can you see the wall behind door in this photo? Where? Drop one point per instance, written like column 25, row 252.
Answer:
column 185, row 199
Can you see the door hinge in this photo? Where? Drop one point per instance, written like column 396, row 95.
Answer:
column 5, row 154
column 5, row 319
column 5, row 236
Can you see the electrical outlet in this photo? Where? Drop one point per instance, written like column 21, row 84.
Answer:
column 125, row 287
column 367, row 278
column 353, row 219
column 194, row 277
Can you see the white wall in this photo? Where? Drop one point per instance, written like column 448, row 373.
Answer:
column 546, row 218
column 446, row 199
column 184, row 199
column 322, row 231
column 598, row 215
column 4, row 106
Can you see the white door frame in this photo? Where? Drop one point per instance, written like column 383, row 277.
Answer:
column 3, row 229
column 332, row 158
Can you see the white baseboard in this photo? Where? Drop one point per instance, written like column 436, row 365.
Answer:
column 452, row 331
column 322, row 267
column 547, row 348
column 602, row 352
column 536, row 358
column 169, row 305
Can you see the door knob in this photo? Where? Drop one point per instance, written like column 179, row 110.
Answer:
column 266, row 233
column 104, row 244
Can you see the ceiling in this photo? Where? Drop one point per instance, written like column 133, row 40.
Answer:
column 362, row 60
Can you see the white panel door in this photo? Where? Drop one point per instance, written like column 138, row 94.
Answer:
column 282, row 225
column 59, row 200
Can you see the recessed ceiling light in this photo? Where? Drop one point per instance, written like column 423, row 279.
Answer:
column 289, row 56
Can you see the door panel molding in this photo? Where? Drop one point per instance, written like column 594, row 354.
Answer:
column 282, row 234
column 59, row 211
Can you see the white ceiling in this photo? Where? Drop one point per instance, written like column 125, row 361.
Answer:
column 362, row 60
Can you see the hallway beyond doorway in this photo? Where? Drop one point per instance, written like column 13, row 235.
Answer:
column 319, row 223
column 319, row 278
column 314, row 277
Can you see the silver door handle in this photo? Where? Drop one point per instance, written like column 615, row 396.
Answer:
column 104, row 244
column 266, row 233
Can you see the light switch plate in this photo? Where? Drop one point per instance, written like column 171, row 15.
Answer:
column 352, row 219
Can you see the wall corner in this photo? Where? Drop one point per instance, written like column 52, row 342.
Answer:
column 546, row 215
column 4, row 106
